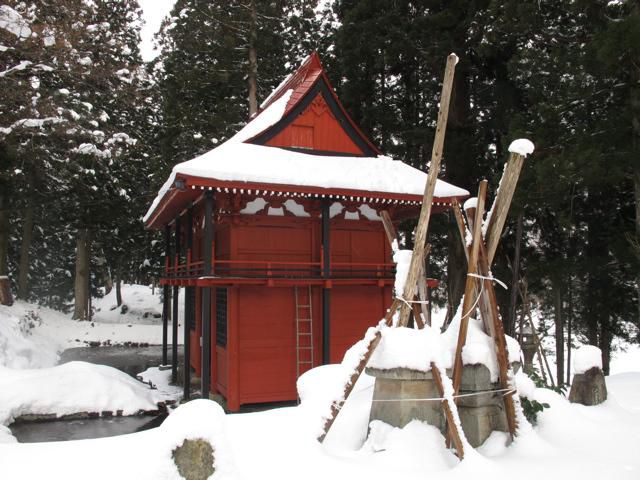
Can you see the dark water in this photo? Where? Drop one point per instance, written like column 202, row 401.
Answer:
column 131, row 360
column 62, row 430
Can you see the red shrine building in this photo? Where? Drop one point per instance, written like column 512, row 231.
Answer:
column 277, row 239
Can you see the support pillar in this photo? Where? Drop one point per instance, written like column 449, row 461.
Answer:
column 189, row 313
column 166, row 295
column 174, row 325
column 206, row 295
column 326, row 292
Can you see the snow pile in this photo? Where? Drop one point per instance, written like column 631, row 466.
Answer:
column 198, row 419
column 417, row 348
column 161, row 381
column 72, row 388
column 417, row 440
column 585, row 358
column 323, row 386
column 521, row 146
column 141, row 305
column 22, row 344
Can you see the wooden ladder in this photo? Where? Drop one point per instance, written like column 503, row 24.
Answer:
column 304, row 330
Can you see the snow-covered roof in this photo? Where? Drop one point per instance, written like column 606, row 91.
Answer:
column 244, row 162
column 241, row 162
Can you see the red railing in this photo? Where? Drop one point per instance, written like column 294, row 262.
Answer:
column 279, row 269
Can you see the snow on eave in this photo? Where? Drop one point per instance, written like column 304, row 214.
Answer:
column 264, row 120
column 251, row 164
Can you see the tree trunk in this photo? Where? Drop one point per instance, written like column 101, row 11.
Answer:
column 456, row 271
column 81, row 284
column 253, row 60
column 511, row 326
column 118, row 288
column 569, row 327
column 605, row 343
column 4, row 229
column 559, row 333
column 25, row 247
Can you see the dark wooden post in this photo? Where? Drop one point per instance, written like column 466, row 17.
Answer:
column 326, row 292
column 189, row 312
column 174, row 325
column 166, row 294
column 206, row 295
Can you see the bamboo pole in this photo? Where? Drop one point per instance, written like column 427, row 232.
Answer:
column 502, row 202
column 389, row 228
column 470, row 286
column 452, row 426
column 499, row 339
column 427, row 199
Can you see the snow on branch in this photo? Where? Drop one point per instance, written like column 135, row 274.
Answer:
column 12, row 22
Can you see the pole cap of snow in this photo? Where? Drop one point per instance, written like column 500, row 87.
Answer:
column 521, row 146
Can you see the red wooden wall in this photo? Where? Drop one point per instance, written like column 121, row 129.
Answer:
column 258, row 363
column 316, row 128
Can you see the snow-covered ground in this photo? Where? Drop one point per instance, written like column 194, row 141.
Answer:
column 570, row 441
column 32, row 336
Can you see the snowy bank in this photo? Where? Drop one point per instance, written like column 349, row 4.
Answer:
column 72, row 388
column 144, row 455
column 32, row 336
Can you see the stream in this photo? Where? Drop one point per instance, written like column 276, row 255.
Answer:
column 131, row 360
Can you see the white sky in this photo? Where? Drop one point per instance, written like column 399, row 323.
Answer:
column 153, row 11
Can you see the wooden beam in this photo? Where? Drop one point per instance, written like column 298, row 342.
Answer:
column 469, row 297
column 417, row 314
column 462, row 227
column 498, row 337
column 502, row 202
column 483, row 301
column 452, row 427
column 389, row 228
column 427, row 199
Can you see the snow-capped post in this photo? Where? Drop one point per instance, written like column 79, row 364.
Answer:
column 588, row 386
column 422, row 228
column 518, row 149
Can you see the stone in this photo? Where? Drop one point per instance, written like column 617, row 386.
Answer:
column 401, row 395
column 194, row 459
column 588, row 388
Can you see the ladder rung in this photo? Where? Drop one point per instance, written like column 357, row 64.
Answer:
column 304, row 333
column 304, row 306
column 305, row 348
